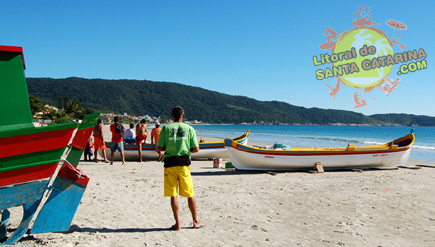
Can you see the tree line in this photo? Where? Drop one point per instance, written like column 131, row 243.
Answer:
column 156, row 98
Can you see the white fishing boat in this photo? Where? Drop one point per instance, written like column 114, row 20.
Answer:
column 395, row 153
column 207, row 150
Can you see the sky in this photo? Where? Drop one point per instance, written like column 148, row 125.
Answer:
column 259, row 49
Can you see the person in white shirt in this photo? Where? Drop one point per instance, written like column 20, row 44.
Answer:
column 129, row 135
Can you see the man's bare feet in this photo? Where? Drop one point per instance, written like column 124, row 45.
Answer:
column 199, row 225
column 175, row 228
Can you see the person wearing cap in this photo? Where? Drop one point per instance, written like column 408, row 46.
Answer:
column 155, row 133
column 99, row 140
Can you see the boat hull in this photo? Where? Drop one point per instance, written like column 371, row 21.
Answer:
column 207, row 150
column 148, row 152
column 23, row 193
column 25, row 161
column 249, row 161
column 248, row 158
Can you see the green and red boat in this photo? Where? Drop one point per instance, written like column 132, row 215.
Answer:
column 29, row 155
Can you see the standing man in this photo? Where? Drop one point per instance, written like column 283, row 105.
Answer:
column 178, row 140
column 141, row 135
column 155, row 133
column 117, row 130
column 99, row 140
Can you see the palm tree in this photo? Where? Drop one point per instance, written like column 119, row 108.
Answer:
column 381, row 46
column 361, row 39
column 73, row 107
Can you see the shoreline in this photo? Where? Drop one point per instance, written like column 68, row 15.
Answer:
column 334, row 124
column 281, row 124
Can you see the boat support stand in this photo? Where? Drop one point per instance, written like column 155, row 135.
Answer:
column 317, row 168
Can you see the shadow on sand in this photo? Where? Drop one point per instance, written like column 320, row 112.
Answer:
column 223, row 172
column 75, row 228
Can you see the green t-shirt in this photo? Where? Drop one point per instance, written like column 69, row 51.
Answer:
column 177, row 139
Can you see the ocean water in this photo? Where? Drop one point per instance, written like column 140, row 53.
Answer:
column 423, row 148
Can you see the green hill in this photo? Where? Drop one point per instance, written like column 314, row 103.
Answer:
column 142, row 97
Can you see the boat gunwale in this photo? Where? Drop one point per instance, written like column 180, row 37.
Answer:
column 37, row 130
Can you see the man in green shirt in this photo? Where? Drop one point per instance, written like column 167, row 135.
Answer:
column 178, row 140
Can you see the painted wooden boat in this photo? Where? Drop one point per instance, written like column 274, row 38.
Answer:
column 29, row 156
column 207, row 150
column 68, row 186
column 395, row 153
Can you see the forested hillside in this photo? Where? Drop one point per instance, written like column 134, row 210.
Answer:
column 157, row 99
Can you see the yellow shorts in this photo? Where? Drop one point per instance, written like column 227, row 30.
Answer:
column 178, row 176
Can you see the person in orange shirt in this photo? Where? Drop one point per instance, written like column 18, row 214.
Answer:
column 155, row 133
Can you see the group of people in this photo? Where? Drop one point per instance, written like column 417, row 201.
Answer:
column 121, row 136
column 177, row 140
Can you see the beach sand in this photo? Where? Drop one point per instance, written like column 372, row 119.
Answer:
column 124, row 206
